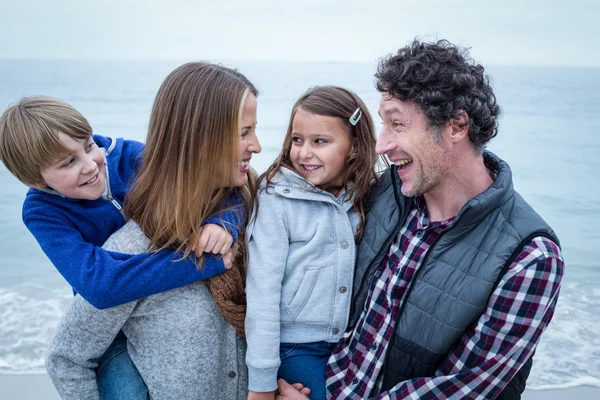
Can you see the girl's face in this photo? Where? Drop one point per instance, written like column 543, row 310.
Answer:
column 320, row 147
column 248, row 143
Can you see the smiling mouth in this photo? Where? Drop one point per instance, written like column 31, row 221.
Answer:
column 311, row 168
column 403, row 163
column 244, row 165
column 92, row 181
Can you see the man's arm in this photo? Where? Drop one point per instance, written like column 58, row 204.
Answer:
column 493, row 350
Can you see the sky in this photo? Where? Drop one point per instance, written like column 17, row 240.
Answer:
column 507, row 32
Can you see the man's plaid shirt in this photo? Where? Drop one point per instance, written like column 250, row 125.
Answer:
column 489, row 354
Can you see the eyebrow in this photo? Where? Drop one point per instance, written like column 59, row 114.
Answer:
column 249, row 126
column 391, row 111
column 322, row 134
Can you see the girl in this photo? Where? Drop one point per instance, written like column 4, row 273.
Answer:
column 186, row 342
column 311, row 208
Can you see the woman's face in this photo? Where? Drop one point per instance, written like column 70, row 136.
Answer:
column 248, row 140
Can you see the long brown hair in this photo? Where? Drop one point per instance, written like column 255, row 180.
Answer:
column 362, row 161
column 190, row 158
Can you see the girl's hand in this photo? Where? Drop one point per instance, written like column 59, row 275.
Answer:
column 212, row 239
column 261, row 395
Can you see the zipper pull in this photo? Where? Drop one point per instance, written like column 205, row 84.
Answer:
column 114, row 202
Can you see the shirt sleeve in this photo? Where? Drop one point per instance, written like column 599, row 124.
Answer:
column 82, row 336
column 493, row 350
column 107, row 279
column 232, row 215
column 267, row 254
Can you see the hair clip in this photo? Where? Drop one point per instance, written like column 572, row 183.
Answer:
column 355, row 117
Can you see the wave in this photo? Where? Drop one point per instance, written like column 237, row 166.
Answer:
column 581, row 381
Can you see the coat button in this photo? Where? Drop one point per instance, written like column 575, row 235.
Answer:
column 286, row 190
column 419, row 234
column 231, row 374
column 343, row 289
column 345, row 245
column 336, row 331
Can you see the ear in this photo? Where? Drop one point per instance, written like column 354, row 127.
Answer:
column 460, row 126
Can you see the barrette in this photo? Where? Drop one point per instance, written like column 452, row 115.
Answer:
column 355, row 117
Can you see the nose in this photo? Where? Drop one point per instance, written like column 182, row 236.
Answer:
column 88, row 164
column 305, row 151
column 254, row 145
column 385, row 142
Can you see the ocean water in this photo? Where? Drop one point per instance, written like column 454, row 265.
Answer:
column 548, row 134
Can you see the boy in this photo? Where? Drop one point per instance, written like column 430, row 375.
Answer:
column 78, row 183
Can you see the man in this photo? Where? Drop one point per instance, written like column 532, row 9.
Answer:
column 457, row 276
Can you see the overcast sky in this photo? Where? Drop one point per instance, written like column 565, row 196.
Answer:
column 508, row 32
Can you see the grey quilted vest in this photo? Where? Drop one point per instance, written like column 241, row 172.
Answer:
column 452, row 286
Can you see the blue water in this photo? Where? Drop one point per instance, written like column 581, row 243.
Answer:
column 548, row 134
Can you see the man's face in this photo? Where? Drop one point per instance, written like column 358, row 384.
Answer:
column 81, row 174
column 421, row 155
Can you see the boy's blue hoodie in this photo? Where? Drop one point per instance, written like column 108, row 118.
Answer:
column 72, row 231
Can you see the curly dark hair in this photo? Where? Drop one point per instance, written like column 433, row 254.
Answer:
column 442, row 79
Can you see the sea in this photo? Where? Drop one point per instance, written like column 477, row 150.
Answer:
column 549, row 134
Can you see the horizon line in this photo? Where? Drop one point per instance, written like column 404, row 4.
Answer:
column 262, row 60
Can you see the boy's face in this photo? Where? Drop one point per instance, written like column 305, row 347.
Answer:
column 81, row 174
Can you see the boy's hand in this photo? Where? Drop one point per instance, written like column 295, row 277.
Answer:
column 212, row 239
column 229, row 257
column 261, row 395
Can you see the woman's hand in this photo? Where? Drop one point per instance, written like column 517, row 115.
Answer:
column 212, row 239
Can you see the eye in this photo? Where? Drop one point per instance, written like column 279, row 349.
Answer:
column 90, row 146
column 320, row 141
column 245, row 133
column 296, row 139
column 69, row 162
column 397, row 124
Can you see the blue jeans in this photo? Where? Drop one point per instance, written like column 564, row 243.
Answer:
column 117, row 376
column 305, row 363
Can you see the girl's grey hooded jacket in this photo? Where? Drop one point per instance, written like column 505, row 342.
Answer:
column 301, row 263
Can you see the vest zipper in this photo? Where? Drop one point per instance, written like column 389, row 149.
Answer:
column 382, row 250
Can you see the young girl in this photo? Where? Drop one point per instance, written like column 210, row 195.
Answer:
column 186, row 343
column 311, row 207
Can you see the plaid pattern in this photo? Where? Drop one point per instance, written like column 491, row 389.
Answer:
column 489, row 354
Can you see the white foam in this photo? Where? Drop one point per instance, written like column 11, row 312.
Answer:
column 29, row 315
column 582, row 381
column 568, row 354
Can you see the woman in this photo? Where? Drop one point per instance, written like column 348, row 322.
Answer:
column 185, row 342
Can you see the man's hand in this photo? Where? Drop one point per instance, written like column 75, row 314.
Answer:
column 291, row 392
column 212, row 239
column 261, row 395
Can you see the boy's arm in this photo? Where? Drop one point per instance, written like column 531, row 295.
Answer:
column 232, row 216
column 83, row 335
column 107, row 279
column 505, row 336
